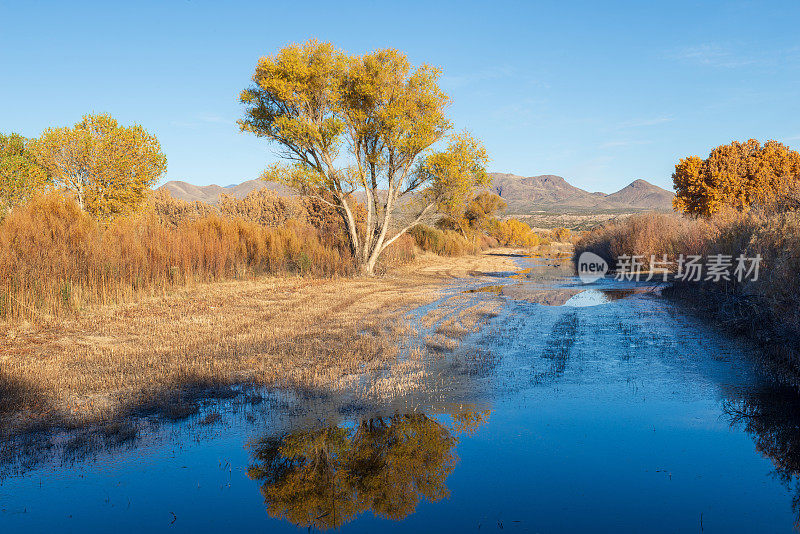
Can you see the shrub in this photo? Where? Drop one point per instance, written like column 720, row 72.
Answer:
column 647, row 234
column 514, row 233
column 441, row 242
column 263, row 207
column 562, row 235
column 398, row 253
column 55, row 258
column 767, row 309
column 171, row 211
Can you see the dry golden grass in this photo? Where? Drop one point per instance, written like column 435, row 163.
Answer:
column 767, row 309
column 55, row 259
column 649, row 234
column 164, row 351
column 466, row 317
column 454, row 319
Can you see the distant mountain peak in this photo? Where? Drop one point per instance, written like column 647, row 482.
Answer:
column 643, row 194
column 551, row 192
column 523, row 194
column 210, row 193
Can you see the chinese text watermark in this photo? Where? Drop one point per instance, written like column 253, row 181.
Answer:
column 688, row 268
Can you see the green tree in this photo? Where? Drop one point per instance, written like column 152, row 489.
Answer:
column 362, row 123
column 108, row 167
column 20, row 174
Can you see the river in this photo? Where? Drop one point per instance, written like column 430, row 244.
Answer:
column 602, row 408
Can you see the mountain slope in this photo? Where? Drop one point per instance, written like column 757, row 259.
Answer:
column 642, row 194
column 210, row 193
column 523, row 195
column 540, row 192
column 553, row 193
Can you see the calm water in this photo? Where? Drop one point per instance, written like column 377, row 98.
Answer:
column 599, row 411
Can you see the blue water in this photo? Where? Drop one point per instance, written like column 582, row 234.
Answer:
column 624, row 416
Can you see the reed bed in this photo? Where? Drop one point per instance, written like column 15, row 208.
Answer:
column 55, row 259
column 649, row 234
column 767, row 309
column 282, row 310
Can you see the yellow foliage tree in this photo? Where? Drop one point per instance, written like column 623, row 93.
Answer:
column 737, row 175
column 515, row 233
column 362, row 123
column 476, row 216
column 20, row 175
column 108, row 167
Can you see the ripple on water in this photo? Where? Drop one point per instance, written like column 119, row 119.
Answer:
column 570, row 415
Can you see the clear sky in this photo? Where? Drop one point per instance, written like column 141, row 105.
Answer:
column 601, row 93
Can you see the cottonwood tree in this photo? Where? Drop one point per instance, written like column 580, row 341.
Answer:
column 477, row 216
column 737, row 175
column 20, row 175
column 360, row 127
column 108, row 167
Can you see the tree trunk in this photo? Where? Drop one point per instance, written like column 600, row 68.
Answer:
column 368, row 268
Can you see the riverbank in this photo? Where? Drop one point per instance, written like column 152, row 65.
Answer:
column 763, row 306
column 162, row 354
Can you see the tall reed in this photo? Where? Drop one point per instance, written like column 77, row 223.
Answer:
column 766, row 309
column 55, row 258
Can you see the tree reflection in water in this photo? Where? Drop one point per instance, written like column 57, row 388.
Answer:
column 324, row 478
column 771, row 414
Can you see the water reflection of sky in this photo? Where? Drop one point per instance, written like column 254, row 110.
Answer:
column 625, row 416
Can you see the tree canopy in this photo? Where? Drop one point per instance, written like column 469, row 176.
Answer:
column 737, row 175
column 362, row 124
column 476, row 216
column 108, row 167
column 20, row 174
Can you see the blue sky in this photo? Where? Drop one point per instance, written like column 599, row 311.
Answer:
column 601, row 93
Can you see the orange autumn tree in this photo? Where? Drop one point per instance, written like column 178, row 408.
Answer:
column 515, row 233
column 737, row 175
column 362, row 126
column 476, row 216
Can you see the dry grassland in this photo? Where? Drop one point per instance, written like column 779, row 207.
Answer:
column 163, row 353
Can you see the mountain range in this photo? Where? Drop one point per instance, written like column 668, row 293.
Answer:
column 523, row 195
column 549, row 192
column 210, row 193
